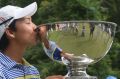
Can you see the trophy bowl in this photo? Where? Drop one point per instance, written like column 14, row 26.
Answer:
column 89, row 41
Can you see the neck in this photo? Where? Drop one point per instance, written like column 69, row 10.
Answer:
column 15, row 52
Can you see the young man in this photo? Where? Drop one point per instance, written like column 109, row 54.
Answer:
column 16, row 34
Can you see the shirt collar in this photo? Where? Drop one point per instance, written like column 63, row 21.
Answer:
column 25, row 62
column 6, row 61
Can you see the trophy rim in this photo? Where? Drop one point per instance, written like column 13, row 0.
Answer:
column 82, row 21
column 88, row 21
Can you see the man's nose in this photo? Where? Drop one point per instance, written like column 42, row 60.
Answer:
column 34, row 27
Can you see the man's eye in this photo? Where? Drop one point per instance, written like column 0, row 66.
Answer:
column 27, row 22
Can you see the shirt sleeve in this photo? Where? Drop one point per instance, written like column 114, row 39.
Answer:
column 54, row 52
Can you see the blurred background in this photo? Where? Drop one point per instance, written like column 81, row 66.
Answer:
column 71, row 10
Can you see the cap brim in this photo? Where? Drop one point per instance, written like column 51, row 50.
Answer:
column 26, row 11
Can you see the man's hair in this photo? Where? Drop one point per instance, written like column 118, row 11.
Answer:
column 4, row 41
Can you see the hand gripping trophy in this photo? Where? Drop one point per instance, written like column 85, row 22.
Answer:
column 77, row 44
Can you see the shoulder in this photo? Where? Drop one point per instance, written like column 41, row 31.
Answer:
column 30, row 67
column 33, row 68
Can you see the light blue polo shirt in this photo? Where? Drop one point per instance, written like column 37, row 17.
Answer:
column 9, row 69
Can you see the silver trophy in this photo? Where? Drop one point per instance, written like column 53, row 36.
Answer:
column 89, row 41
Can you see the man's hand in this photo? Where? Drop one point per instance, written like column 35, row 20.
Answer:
column 55, row 77
column 42, row 32
column 43, row 35
column 67, row 55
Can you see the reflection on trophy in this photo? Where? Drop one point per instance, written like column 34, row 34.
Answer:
column 86, row 41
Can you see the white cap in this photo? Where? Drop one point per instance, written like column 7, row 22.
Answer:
column 10, row 13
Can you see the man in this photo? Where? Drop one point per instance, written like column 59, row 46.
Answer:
column 16, row 34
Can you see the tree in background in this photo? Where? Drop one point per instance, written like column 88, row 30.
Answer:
column 59, row 10
column 113, row 12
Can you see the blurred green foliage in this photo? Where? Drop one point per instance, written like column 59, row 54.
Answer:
column 59, row 10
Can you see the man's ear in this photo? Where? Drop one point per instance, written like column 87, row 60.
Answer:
column 10, row 33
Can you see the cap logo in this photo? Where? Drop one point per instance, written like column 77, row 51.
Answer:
column 2, row 19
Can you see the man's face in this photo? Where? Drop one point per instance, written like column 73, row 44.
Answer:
column 24, row 33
